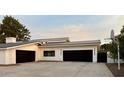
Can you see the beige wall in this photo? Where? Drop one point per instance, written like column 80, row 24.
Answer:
column 8, row 56
column 32, row 47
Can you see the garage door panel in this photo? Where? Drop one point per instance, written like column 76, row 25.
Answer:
column 78, row 55
column 25, row 56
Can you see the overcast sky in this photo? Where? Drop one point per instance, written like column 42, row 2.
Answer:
column 76, row 27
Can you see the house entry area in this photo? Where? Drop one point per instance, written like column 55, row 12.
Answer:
column 25, row 56
column 78, row 55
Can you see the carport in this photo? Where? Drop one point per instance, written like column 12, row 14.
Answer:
column 25, row 56
column 78, row 55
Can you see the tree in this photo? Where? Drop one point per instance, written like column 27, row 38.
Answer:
column 11, row 27
column 105, row 47
column 121, row 42
column 111, row 48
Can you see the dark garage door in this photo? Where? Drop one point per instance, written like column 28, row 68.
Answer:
column 24, row 56
column 78, row 55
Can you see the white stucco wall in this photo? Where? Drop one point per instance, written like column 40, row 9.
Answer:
column 59, row 52
column 7, row 56
column 2, row 56
column 110, row 60
column 10, row 56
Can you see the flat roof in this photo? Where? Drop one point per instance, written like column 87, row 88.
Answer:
column 52, row 44
column 7, row 45
column 63, row 39
column 74, row 43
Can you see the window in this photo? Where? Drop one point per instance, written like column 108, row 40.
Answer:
column 49, row 53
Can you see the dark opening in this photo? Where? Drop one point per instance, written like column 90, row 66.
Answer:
column 25, row 56
column 78, row 55
column 102, row 57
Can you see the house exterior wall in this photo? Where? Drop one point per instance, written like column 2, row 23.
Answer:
column 7, row 56
column 10, row 56
column 110, row 60
column 2, row 56
column 32, row 47
column 59, row 52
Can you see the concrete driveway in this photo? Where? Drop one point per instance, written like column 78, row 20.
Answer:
column 56, row 69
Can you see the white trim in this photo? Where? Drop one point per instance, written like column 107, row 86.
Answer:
column 80, row 45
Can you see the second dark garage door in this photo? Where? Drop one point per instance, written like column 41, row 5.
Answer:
column 25, row 56
column 78, row 55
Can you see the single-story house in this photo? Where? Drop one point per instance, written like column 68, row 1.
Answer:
column 54, row 49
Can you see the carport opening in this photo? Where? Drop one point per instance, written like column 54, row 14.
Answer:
column 78, row 55
column 102, row 57
column 25, row 56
